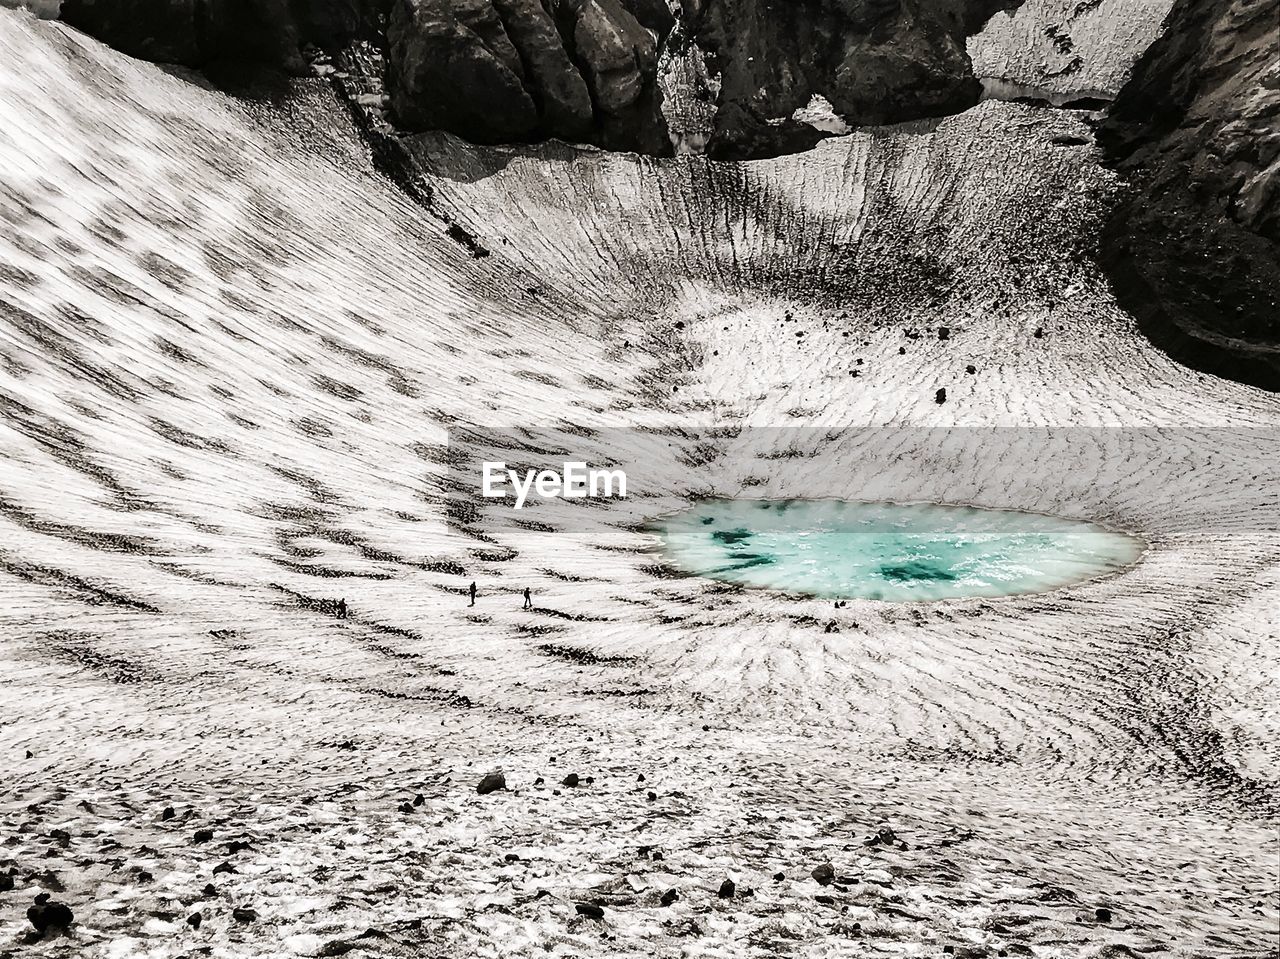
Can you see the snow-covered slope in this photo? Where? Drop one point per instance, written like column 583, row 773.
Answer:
column 232, row 360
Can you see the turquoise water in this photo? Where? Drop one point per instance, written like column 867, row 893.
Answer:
column 889, row 551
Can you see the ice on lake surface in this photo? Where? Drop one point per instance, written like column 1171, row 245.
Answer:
column 890, row 551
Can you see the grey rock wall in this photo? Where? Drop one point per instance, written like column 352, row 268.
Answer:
column 502, row 71
column 1195, row 252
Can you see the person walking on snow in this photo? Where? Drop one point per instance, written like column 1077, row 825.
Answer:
column 528, row 599
column 473, row 594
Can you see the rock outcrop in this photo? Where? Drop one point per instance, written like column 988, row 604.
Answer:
column 873, row 61
column 781, row 77
column 498, row 71
column 1195, row 253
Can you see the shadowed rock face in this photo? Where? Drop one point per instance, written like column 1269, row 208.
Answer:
column 1196, row 252
column 499, row 71
column 454, row 67
column 496, row 70
column 502, row 71
column 875, row 61
column 199, row 32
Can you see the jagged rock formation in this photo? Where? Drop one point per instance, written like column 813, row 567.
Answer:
column 498, row 71
column 874, row 61
column 1195, row 254
column 502, row 71
column 493, row 71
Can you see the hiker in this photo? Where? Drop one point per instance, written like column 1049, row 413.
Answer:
column 473, row 594
column 342, row 608
column 528, row 599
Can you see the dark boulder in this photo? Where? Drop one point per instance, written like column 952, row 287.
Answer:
column 558, row 90
column 501, row 71
column 49, row 917
column 620, row 60
column 453, row 67
column 491, row 782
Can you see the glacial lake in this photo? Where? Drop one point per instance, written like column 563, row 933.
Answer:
column 898, row 552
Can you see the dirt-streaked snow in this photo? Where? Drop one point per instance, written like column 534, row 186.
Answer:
column 231, row 355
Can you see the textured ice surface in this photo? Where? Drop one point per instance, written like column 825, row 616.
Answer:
column 887, row 551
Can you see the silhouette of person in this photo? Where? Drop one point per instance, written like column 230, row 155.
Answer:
column 473, row 594
column 528, row 599
column 342, row 608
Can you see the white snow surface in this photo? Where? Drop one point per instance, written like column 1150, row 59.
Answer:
column 820, row 115
column 231, row 353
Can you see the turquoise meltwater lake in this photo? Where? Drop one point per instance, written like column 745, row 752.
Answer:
column 899, row 552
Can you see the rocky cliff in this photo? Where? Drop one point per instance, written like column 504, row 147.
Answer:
column 872, row 61
column 1196, row 251
column 500, row 71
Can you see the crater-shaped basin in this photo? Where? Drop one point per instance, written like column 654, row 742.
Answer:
column 900, row 552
